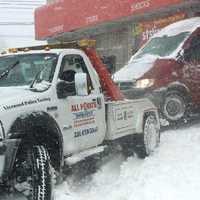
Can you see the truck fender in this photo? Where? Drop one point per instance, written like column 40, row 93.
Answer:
column 145, row 106
column 37, row 128
column 141, row 117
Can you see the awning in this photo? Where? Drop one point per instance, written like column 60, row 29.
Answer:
column 69, row 15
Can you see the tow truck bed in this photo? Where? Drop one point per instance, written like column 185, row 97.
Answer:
column 124, row 117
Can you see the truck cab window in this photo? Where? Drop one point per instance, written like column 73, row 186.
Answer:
column 29, row 65
column 72, row 64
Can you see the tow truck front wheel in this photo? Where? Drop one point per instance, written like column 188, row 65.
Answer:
column 34, row 174
column 149, row 140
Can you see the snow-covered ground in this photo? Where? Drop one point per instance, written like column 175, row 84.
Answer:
column 171, row 173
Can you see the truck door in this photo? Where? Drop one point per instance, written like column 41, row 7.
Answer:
column 83, row 117
column 192, row 67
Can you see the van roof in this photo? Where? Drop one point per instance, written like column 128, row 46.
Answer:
column 188, row 25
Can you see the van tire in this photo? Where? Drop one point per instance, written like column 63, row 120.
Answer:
column 174, row 106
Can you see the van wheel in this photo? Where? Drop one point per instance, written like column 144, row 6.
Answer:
column 174, row 106
column 34, row 174
column 150, row 139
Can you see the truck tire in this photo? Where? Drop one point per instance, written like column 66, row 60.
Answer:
column 36, row 174
column 149, row 140
column 174, row 106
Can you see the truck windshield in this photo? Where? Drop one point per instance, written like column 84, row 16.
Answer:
column 27, row 67
column 162, row 46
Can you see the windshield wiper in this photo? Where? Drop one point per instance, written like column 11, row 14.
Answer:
column 9, row 68
column 39, row 73
column 36, row 79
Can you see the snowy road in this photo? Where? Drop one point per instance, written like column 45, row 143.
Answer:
column 171, row 173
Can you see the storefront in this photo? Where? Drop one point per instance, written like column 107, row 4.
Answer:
column 120, row 27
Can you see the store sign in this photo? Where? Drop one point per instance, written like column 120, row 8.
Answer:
column 139, row 6
column 49, row 20
column 67, row 16
column 148, row 28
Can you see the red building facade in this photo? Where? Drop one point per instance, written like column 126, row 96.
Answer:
column 119, row 26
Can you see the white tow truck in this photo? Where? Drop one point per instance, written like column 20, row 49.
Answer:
column 59, row 106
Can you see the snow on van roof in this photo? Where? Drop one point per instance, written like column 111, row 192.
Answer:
column 188, row 25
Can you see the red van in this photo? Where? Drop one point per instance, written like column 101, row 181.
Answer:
column 166, row 69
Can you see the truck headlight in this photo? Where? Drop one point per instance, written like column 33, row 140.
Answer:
column 144, row 83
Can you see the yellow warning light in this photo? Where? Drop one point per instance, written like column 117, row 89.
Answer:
column 47, row 48
column 87, row 43
column 3, row 52
column 26, row 49
column 74, row 44
column 12, row 50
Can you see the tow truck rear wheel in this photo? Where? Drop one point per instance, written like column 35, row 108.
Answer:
column 149, row 140
column 34, row 174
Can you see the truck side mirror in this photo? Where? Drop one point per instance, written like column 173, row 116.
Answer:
column 81, row 84
column 65, row 89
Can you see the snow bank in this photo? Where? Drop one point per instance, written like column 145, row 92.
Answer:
column 172, row 173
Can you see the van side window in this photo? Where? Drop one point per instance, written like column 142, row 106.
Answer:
column 72, row 64
column 193, row 53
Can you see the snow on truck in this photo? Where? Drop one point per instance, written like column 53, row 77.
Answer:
column 59, row 106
